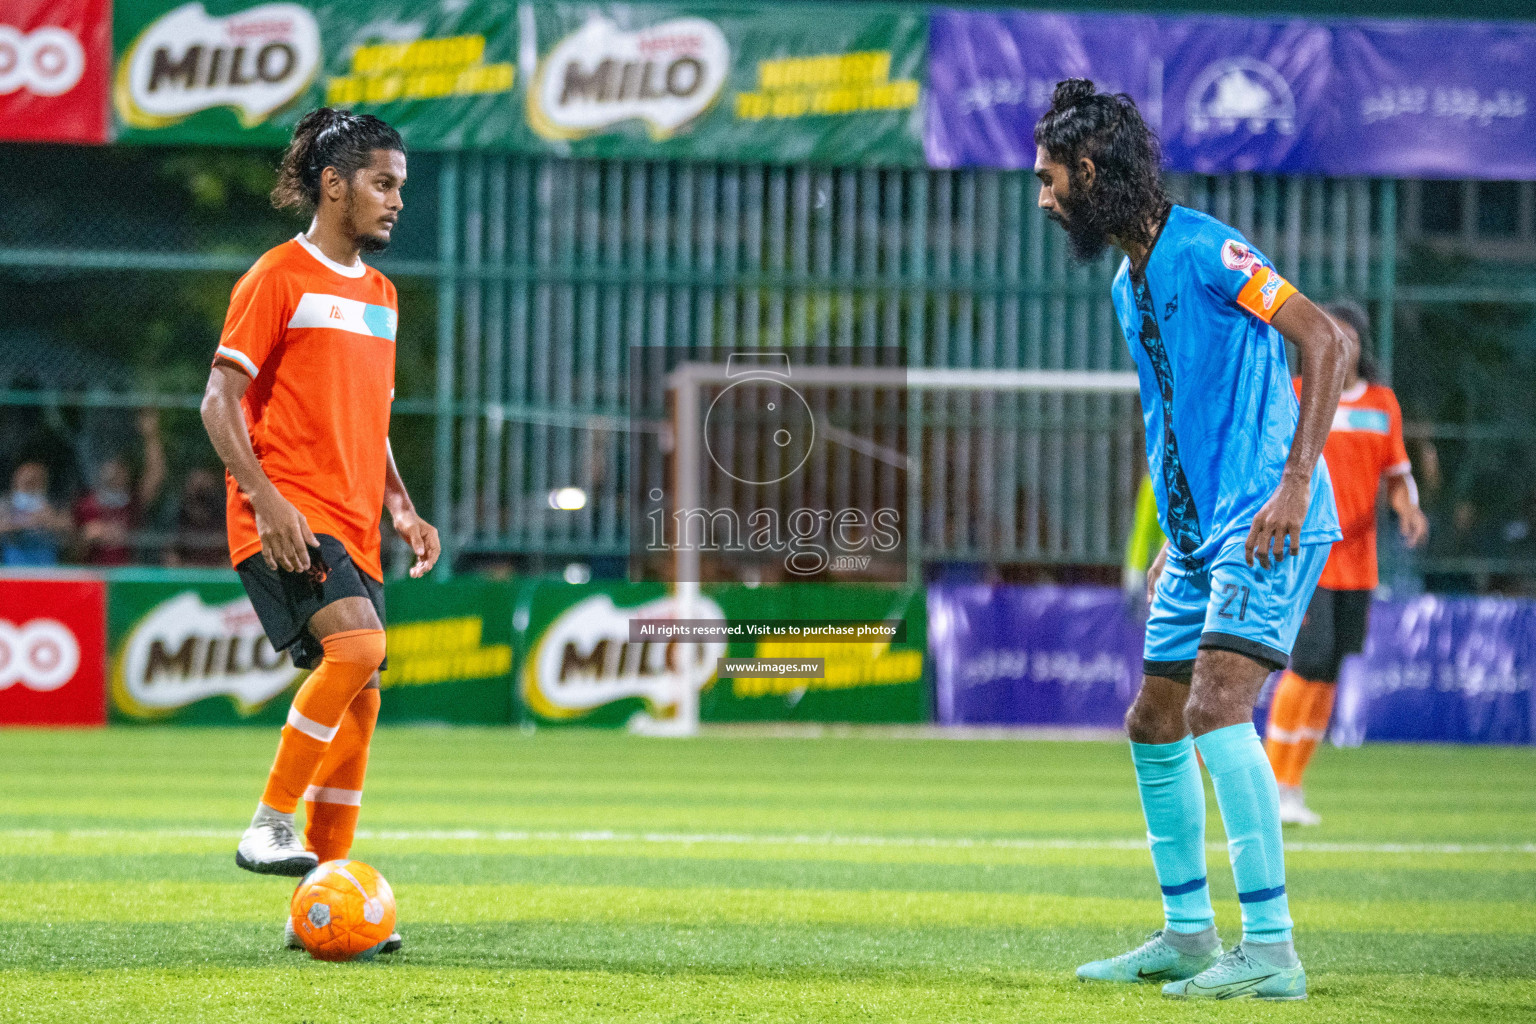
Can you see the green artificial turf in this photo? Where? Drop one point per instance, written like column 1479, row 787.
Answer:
column 589, row 876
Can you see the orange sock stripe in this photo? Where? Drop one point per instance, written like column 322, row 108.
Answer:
column 297, row 755
column 315, row 719
column 330, row 829
column 1319, row 709
column 1286, row 714
column 349, row 662
column 331, row 824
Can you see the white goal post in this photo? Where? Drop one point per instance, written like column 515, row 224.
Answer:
column 686, row 384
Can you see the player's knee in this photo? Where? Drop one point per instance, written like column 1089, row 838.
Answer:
column 362, row 649
column 1203, row 715
column 1145, row 723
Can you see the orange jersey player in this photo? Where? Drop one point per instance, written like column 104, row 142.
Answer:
column 297, row 406
column 1364, row 446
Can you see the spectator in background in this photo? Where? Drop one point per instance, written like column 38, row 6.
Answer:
column 114, row 508
column 32, row 530
column 200, row 538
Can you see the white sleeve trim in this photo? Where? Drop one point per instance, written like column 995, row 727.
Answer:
column 238, row 357
column 1405, row 470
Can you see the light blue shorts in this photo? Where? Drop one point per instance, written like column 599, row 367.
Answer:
column 1232, row 606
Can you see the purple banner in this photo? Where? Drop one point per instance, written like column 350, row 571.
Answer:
column 1444, row 670
column 1408, row 99
column 990, row 77
column 1010, row 655
column 1244, row 95
column 1443, row 100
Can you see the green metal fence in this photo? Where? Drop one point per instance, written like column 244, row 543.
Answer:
column 558, row 268
column 547, row 272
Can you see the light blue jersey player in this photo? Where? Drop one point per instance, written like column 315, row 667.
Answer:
column 1197, row 318
column 1245, row 501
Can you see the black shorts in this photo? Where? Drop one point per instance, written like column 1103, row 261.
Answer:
column 1333, row 629
column 284, row 601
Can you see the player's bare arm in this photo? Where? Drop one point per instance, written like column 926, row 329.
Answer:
column 285, row 535
column 414, row 530
column 1404, row 499
column 1324, row 358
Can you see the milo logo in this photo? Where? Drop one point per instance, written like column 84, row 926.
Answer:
column 256, row 61
column 665, row 75
column 184, row 651
column 585, row 658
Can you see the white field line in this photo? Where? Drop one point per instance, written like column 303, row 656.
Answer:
column 748, row 839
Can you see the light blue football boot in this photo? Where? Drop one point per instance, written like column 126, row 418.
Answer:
column 1153, row 960
column 1239, row 975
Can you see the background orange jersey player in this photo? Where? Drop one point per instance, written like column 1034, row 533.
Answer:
column 1365, row 445
column 297, row 406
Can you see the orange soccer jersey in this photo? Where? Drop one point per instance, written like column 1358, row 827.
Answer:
column 1365, row 443
column 318, row 340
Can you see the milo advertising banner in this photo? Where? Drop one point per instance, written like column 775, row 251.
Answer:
column 763, row 83
column 186, row 647
column 648, row 81
column 234, row 72
column 582, row 663
column 581, row 667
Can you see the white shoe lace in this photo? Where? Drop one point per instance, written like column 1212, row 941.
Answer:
column 280, row 834
column 1233, row 963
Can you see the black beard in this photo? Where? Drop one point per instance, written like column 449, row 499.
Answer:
column 1086, row 240
column 364, row 242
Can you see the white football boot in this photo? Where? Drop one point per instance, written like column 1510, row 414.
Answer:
column 272, row 847
column 1294, row 809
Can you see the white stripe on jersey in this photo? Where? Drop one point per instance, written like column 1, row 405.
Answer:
column 316, row 309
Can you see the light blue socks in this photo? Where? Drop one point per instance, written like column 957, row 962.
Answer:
column 1250, row 809
column 1173, row 800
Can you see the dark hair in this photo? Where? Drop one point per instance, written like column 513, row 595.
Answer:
column 1127, row 191
column 1353, row 315
column 328, row 138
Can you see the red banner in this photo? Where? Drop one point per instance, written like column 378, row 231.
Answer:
column 53, row 643
column 55, row 61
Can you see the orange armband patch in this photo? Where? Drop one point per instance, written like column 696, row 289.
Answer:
column 1264, row 294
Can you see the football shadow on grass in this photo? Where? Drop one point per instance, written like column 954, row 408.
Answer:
column 787, row 950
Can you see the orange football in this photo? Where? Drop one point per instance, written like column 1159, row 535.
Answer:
column 343, row 910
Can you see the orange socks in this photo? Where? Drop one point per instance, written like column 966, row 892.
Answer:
column 1298, row 718
column 332, row 804
column 318, row 708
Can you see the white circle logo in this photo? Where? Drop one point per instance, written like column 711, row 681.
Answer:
column 42, row 655
column 46, row 61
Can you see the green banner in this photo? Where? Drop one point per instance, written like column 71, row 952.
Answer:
column 234, row 72
column 579, row 664
column 770, row 83
column 746, row 83
column 450, row 652
column 187, row 648
column 863, row 682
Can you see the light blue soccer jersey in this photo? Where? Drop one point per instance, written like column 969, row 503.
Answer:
column 1216, row 393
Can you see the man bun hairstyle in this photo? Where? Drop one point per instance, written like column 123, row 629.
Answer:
column 1127, row 195
column 1353, row 315
column 328, row 138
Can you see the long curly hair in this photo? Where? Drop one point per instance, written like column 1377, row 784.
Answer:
column 328, row 138
column 1348, row 311
column 1127, row 191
